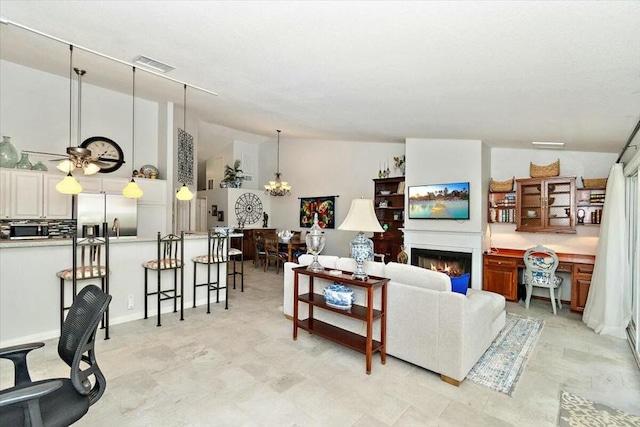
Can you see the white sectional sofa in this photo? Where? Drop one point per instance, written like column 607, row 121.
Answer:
column 427, row 324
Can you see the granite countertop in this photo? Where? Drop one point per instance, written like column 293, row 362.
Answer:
column 4, row 243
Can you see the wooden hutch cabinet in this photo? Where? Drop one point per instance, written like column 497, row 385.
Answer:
column 388, row 201
column 546, row 205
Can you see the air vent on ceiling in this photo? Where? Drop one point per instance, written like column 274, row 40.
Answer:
column 152, row 63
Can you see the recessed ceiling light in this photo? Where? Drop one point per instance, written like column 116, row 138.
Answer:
column 548, row 145
column 152, row 63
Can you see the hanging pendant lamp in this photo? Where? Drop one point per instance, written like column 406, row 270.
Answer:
column 278, row 187
column 133, row 190
column 69, row 185
column 184, row 193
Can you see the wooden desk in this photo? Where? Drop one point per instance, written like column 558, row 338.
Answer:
column 292, row 244
column 367, row 314
column 500, row 274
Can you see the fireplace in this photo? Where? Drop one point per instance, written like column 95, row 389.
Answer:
column 451, row 263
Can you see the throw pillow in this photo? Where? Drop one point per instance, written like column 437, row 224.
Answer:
column 460, row 284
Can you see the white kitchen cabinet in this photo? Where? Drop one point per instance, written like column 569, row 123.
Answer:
column 90, row 184
column 33, row 195
column 155, row 191
column 5, row 194
column 114, row 185
column 56, row 205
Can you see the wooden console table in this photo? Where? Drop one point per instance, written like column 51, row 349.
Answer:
column 367, row 314
column 500, row 274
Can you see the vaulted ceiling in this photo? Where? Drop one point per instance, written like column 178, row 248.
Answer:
column 507, row 73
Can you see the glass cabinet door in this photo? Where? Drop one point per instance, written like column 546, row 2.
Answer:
column 530, row 207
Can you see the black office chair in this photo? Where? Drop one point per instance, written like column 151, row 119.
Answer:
column 59, row 401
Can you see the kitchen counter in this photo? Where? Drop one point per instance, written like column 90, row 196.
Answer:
column 30, row 289
column 6, row 243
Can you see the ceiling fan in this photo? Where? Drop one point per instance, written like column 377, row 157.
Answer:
column 81, row 158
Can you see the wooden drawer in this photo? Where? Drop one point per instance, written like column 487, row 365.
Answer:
column 494, row 261
column 583, row 269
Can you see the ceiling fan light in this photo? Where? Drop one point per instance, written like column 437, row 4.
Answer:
column 184, row 193
column 91, row 169
column 69, row 185
column 66, row 166
column 132, row 190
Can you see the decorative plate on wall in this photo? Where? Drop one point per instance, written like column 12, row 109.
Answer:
column 249, row 208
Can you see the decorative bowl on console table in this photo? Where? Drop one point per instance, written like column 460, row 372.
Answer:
column 338, row 296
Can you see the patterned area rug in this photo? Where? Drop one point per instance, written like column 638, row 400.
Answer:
column 500, row 366
column 577, row 411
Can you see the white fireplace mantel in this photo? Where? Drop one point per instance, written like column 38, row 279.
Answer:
column 449, row 241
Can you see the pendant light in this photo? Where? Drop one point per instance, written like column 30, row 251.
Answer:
column 132, row 190
column 69, row 185
column 184, row 193
column 278, row 187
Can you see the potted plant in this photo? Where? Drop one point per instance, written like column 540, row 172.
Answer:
column 233, row 175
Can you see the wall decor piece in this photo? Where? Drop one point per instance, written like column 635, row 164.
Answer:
column 249, row 208
column 324, row 206
column 214, row 210
column 220, row 215
column 185, row 157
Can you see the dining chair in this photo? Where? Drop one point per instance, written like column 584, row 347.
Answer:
column 273, row 252
column 260, row 254
column 541, row 264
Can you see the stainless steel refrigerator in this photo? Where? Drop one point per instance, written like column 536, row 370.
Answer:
column 119, row 212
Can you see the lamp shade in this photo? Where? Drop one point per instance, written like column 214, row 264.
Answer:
column 361, row 217
column 184, row 193
column 69, row 185
column 132, row 190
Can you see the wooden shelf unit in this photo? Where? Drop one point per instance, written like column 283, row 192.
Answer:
column 363, row 344
column 390, row 242
column 546, row 205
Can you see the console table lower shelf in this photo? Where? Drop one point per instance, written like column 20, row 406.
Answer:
column 363, row 344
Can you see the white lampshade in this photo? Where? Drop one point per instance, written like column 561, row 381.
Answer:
column 132, row 190
column 69, row 185
column 66, row 166
column 361, row 217
column 184, row 193
column 91, row 169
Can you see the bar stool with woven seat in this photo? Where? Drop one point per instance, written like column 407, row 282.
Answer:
column 90, row 261
column 236, row 254
column 217, row 254
column 169, row 257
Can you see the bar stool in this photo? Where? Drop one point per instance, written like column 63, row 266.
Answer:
column 217, row 253
column 236, row 254
column 169, row 257
column 90, row 261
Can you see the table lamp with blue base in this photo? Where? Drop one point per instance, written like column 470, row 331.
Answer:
column 361, row 218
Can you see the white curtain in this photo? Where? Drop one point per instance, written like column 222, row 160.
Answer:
column 608, row 308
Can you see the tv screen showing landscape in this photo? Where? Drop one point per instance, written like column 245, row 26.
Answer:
column 439, row 201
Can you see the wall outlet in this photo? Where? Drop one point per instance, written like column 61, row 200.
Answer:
column 130, row 302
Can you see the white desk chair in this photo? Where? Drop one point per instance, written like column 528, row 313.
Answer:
column 541, row 264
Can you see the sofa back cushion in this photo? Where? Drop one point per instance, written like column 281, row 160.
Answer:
column 372, row 268
column 417, row 276
column 327, row 261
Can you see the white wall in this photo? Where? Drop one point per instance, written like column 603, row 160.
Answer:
column 327, row 168
column 34, row 111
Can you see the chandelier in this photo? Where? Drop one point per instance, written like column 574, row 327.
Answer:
column 278, row 187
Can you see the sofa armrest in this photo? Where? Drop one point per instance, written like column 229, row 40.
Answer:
column 465, row 331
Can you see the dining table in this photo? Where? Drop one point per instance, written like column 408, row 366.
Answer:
column 293, row 244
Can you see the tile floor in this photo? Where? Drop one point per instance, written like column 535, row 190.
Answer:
column 240, row 367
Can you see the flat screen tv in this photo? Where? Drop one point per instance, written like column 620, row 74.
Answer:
column 439, row 201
